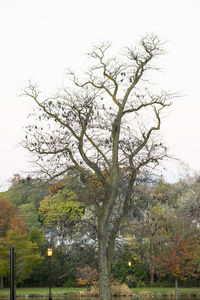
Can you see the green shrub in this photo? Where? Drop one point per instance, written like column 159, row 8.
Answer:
column 131, row 281
column 141, row 283
column 70, row 282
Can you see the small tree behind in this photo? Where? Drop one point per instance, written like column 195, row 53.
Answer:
column 7, row 212
column 179, row 259
column 26, row 252
column 14, row 232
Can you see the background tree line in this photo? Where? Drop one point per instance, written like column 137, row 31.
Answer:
column 160, row 238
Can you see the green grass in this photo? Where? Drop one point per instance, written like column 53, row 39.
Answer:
column 144, row 291
column 41, row 291
column 165, row 291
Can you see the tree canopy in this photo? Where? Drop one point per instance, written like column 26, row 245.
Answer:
column 61, row 210
column 13, row 231
column 107, row 123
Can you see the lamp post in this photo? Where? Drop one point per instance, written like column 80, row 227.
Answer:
column 12, row 274
column 129, row 273
column 49, row 253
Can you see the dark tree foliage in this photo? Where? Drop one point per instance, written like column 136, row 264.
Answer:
column 26, row 190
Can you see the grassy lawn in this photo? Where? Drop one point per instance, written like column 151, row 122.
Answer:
column 145, row 291
column 41, row 291
column 165, row 291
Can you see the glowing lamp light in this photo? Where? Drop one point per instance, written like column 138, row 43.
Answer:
column 49, row 252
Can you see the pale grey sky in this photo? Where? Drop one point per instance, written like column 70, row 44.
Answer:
column 41, row 38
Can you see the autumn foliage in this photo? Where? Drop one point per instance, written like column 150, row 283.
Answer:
column 9, row 218
column 13, row 231
column 54, row 188
column 180, row 258
column 87, row 276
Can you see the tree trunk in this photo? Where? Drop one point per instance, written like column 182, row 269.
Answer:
column 176, row 288
column 1, row 283
column 104, row 285
column 152, row 275
column 152, row 270
column 104, row 271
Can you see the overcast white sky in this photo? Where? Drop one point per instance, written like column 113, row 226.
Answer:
column 41, row 38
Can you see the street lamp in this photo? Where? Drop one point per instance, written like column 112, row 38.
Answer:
column 49, row 253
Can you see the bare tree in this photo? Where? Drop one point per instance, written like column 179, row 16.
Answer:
column 106, row 129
